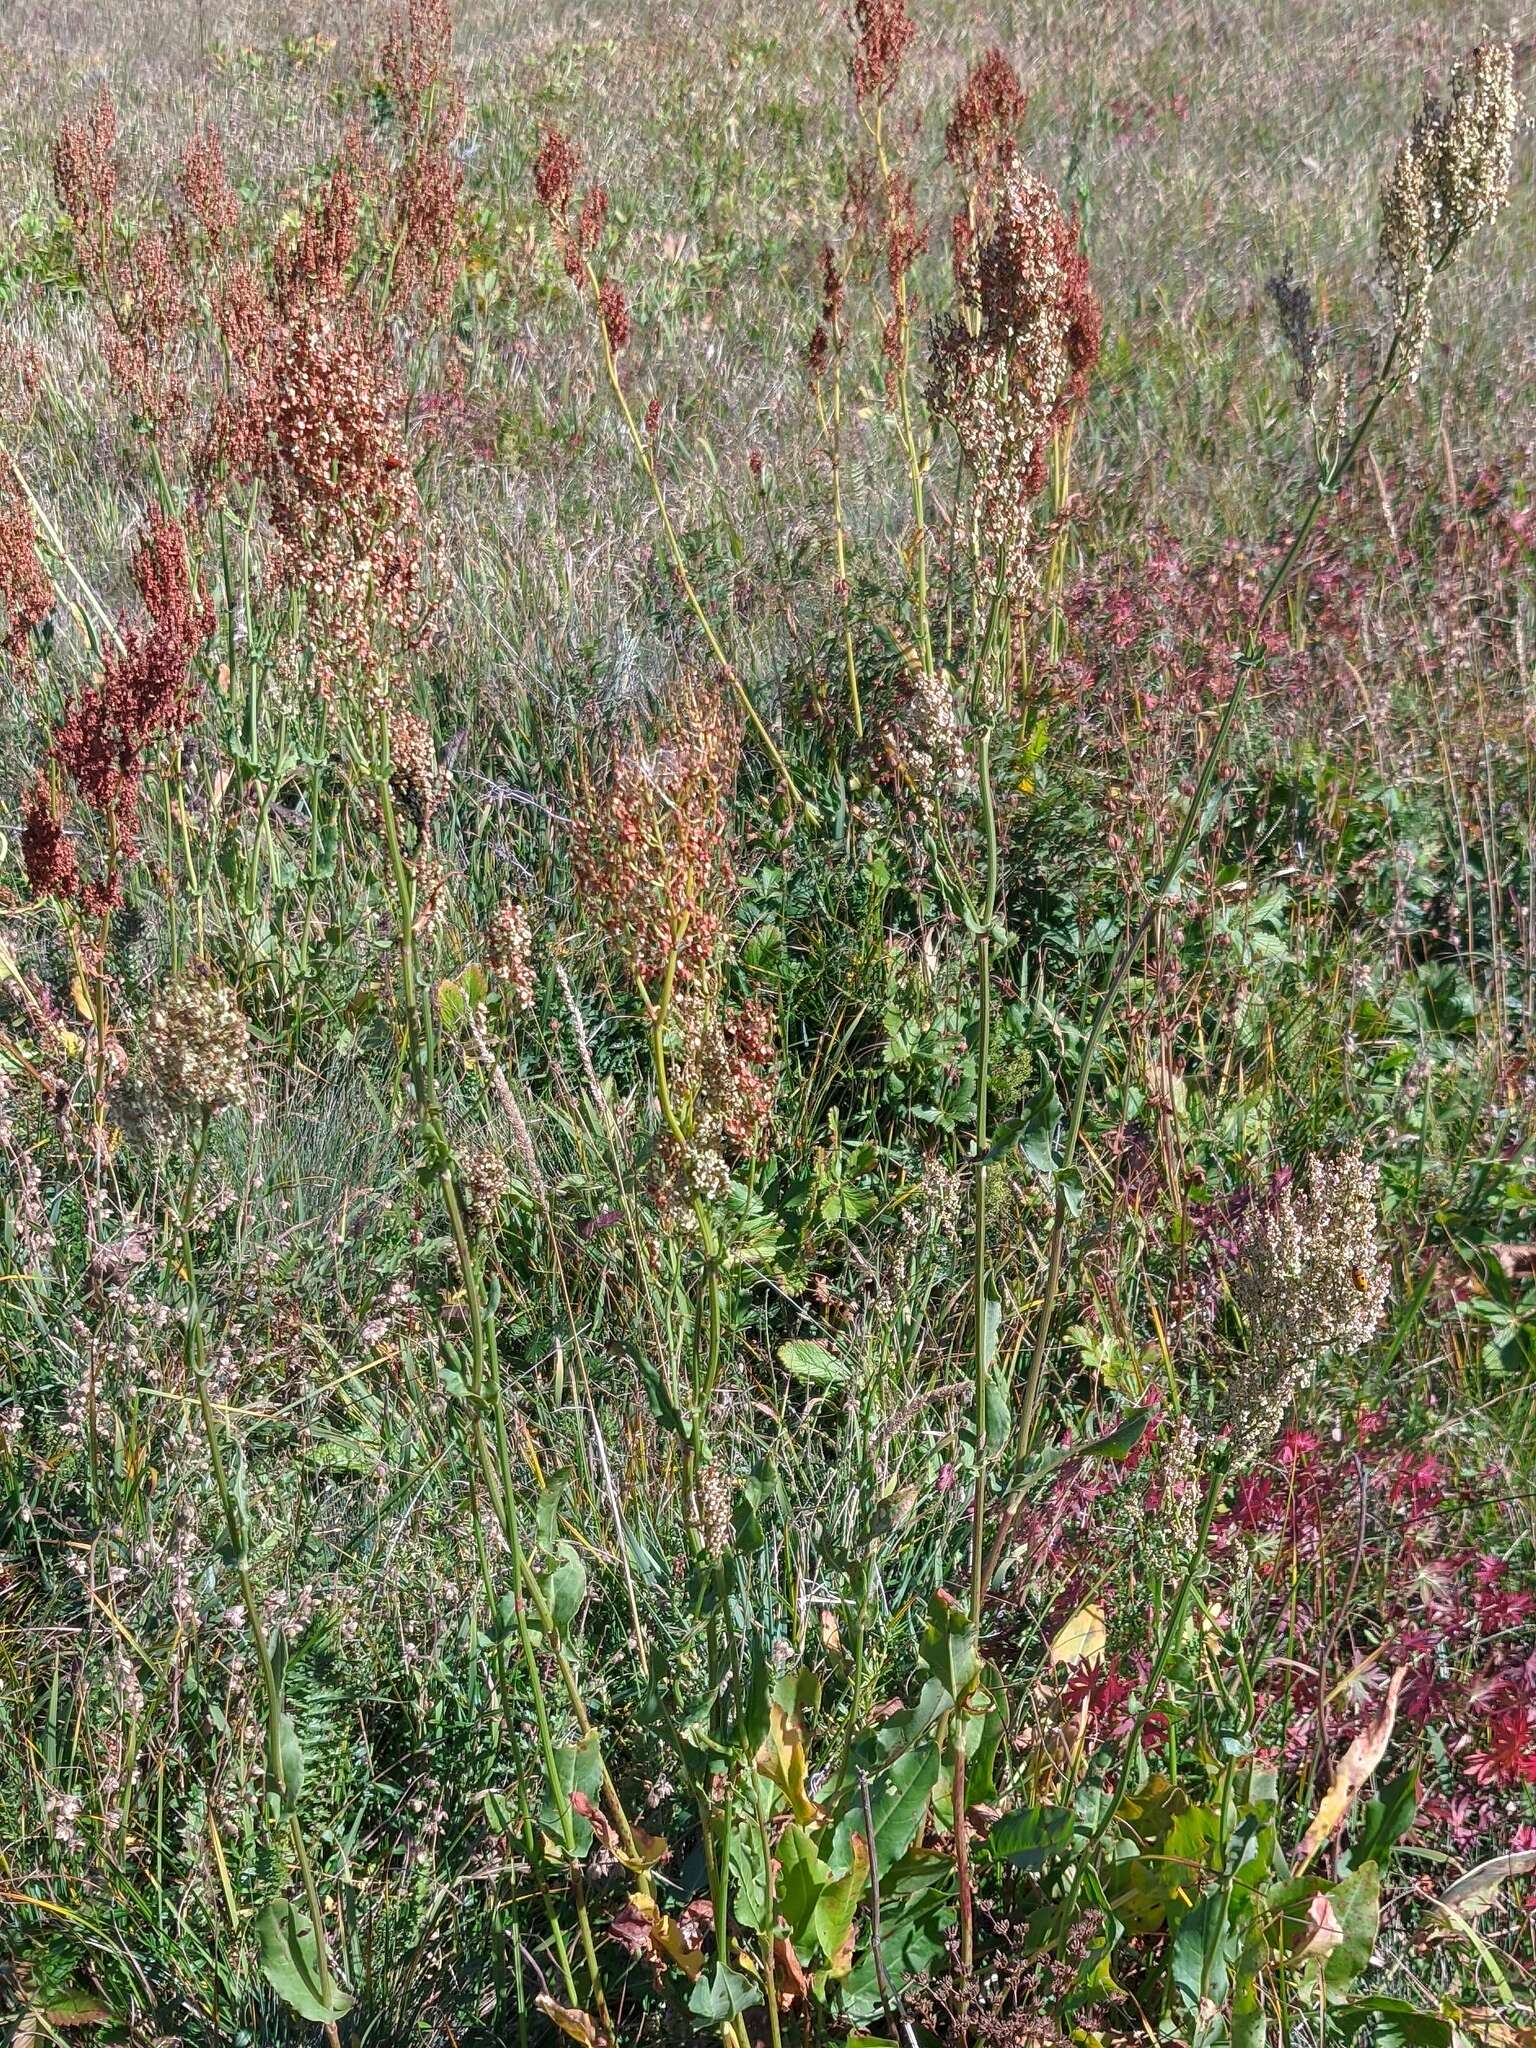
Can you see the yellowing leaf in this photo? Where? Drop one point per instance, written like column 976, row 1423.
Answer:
column 781, row 1760
column 576, row 2026
column 642, row 1925
column 1081, row 1637
column 1350, row 1774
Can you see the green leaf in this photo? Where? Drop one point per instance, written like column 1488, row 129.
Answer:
column 579, row 1766
column 1198, row 1964
column 804, row 1359
column 291, row 1963
column 1397, row 2023
column 1031, row 1837
column 1121, row 1440
column 547, row 1513
column 898, row 1800
column 838, row 1903
column 1030, row 1133
column 291, row 1755
column 1386, row 1818
column 949, row 1647
column 1356, row 1901
column 721, row 1994
column 1249, row 2025
column 565, row 1586
column 803, row 1878
column 912, row 1938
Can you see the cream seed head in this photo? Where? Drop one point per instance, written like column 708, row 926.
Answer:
column 1014, row 359
column 197, row 1049
column 1450, row 177
column 1311, row 1280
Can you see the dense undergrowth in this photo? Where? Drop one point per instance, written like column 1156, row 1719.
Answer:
column 817, row 1325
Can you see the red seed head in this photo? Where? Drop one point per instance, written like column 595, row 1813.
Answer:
column 883, row 31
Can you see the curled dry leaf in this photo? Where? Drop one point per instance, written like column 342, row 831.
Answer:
column 1351, row 1772
column 1476, row 1889
column 644, row 1929
column 1319, row 1934
column 569, row 2021
column 794, row 1987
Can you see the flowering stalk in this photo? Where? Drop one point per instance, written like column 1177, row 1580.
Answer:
column 899, row 354
column 826, row 352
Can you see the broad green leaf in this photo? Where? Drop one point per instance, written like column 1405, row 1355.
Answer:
column 291, row 1756
column 565, row 1586
column 803, row 1877
column 839, row 1901
column 579, row 1766
column 290, row 1962
column 1356, row 1902
column 1198, row 1964
column 1031, row 1837
column 804, row 1359
column 1396, row 2023
column 722, row 1993
column 898, row 1800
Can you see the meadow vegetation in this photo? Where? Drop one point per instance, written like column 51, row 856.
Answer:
column 767, row 989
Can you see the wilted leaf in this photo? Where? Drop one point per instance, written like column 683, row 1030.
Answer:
column 1476, row 1889
column 643, row 1928
column 1319, row 1933
column 575, row 2025
column 794, row 1986
column 781, row 1760
column 1350, row 1774
column 1081, row 1638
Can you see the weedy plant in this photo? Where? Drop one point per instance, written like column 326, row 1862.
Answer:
column 752, row 1391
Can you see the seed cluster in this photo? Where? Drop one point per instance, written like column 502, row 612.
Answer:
column 416, row 782
column 1449, row 178
column 100, row 747
column 197, row 1049
column 1010, row 364
column 26, row 591
column 509, row 950
column 1310, row 1278
column 989, row 110
column 653, row 855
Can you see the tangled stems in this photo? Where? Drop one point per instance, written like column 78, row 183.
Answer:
column 1328, row 484
column 707, row 1352
column 236, row 1534
column 675, row 555
column 494, row 1464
